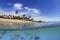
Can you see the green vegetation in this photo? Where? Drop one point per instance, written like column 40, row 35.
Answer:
column 24, row 17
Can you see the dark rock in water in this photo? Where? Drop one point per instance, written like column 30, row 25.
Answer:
column 36, row 38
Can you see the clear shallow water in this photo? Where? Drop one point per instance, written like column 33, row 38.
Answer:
column 43, row 33
column 52, row 33
column 29, row 25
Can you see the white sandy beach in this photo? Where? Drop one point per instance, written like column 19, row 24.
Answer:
column 2, row 20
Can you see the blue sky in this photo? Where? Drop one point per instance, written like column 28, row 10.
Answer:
column 46, row 10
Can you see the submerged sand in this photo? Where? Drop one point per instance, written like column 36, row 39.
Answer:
column 2, row 20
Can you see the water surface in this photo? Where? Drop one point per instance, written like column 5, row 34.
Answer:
column 29, row 25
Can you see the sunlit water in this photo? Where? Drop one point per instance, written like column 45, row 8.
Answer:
column 40, row 31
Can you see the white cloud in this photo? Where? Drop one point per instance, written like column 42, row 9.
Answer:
column 36, row 11
column 29, row 9
column 33, row 11
column 17, row 6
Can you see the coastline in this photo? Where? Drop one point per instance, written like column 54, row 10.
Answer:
column 2, row 20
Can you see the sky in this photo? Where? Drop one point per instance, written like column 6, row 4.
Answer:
column 45, row 10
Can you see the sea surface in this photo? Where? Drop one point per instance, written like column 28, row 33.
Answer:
column 28, row 25
column 34, row 31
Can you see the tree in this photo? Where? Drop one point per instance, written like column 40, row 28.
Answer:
column 29, row 17
column 23, row 16
column 16, row 12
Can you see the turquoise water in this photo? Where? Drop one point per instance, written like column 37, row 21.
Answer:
column 40, row 31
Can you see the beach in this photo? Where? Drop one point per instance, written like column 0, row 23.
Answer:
column 2, row 20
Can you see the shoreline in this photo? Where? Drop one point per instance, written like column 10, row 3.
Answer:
column 2, row 20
